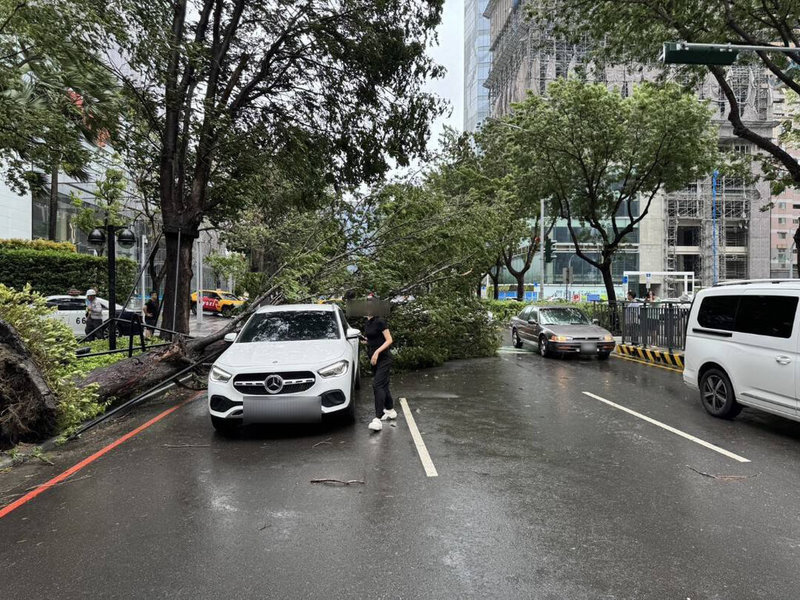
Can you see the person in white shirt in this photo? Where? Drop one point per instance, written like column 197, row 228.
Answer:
column 94, row 316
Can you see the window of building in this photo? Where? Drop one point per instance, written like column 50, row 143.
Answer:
column 781, row 205
column 781, row 221
column 781, row 235
column 796, row 206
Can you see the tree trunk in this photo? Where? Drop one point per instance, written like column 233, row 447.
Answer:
column 133, row 376
column 52, row 209
column 608, row 281
column 520, row 286
column 28, row 407
column 177, row 293
column 797, row 252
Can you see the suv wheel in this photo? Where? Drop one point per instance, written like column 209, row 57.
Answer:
column 515, row 341
column 717, row 396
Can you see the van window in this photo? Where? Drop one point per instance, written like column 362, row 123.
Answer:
column 766, row 315
column 718, row 312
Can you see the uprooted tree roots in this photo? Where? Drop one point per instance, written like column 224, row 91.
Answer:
column 28, row 407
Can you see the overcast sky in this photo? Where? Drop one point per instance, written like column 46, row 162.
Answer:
column 450, row 54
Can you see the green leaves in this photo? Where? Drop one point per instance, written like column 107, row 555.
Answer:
column 599, row 159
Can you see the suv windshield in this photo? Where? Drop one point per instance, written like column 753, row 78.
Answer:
column 294, row 326
column 563, row 316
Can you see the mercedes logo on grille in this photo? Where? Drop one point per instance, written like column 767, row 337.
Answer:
column 274, row 384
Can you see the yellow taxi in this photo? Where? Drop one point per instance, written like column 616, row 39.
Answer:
column 218, row 301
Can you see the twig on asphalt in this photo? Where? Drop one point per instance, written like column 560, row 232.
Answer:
column 186, row 445
column 328, row 441
column 338, row 481
column 59, row 483
column 722, row 477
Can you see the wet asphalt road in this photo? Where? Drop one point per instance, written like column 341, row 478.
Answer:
column 543, row 492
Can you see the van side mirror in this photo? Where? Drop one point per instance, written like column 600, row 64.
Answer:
column 231, row 337
column 353, row 333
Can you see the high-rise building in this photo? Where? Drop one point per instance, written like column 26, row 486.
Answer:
column 680, row 232
column 477, row 62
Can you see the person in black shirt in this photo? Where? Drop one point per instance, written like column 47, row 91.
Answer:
column 151, row 313
column 379, row 339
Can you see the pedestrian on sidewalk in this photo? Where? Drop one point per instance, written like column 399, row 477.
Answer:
column 94, row 316
column 151, row 310
column 379, row 340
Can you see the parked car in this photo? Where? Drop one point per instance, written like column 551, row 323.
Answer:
column 742, row 347
column 560, row 330
column 217, row 301
column 71, row 310
column 293, row 363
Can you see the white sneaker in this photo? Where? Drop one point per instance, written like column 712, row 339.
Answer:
column 389, row 414
column 376, row 424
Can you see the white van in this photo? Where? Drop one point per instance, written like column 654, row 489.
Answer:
column 742, row 347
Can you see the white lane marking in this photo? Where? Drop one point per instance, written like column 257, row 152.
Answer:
column 690, row 437
column 427, row 463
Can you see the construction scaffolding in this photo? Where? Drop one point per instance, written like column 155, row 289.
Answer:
column 689, row 229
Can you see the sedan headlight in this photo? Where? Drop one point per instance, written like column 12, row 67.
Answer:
column 334, row 370
column 561, row 338
column 609, row 338
column 219, row 375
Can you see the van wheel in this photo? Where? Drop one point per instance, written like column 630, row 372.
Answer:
column 515, row 340
column 717, row 396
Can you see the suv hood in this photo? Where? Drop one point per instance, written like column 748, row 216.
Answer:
column 280, row 354
column 578, row 330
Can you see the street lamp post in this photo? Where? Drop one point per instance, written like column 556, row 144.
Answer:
column 109, row 235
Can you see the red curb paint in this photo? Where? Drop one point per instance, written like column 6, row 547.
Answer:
column 87, row 461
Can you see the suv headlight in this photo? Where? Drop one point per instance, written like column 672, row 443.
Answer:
column 219, row 375
column 337, row 368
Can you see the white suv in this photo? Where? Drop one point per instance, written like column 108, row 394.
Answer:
column 289, row 364
column 742, row 347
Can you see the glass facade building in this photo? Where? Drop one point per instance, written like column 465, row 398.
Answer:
column 477, row 63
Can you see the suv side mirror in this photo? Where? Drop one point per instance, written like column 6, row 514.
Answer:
column 532, row 321
column 231, row 337
column 353, row 333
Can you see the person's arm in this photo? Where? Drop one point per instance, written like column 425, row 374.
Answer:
column 387, row 341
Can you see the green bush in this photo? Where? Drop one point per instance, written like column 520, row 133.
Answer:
column 16, row 244
column 51, row 272
column 52, row 345
column 503, row 310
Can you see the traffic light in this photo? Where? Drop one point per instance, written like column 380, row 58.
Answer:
column 548, row 250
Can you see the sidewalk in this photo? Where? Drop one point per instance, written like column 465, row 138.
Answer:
column 211, row 324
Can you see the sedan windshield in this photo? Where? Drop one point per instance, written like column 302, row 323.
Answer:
column 294, row 326
column 229, row 297
column 563, row 316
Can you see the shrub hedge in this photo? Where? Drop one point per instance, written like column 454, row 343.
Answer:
column 51, row 272
column 16, row 244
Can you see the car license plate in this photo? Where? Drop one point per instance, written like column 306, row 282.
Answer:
column 588, row 348
column 282, row 409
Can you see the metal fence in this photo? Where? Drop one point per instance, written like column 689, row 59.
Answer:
column 659, row 324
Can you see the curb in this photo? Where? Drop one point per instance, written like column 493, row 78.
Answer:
column 674, row 360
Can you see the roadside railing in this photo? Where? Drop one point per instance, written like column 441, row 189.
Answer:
column 132, row 328
column 659, row 324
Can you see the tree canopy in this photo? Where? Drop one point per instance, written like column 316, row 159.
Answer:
column 600, row 159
